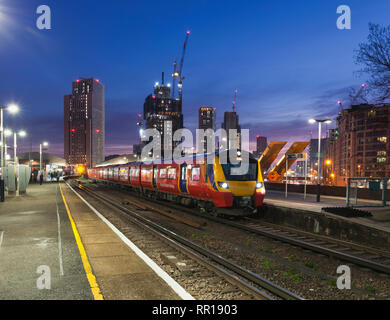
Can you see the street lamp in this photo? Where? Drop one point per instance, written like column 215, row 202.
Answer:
column 320, row 122
column 7, row 133
column 45, row 144
column 12, row 108
column 22, row 134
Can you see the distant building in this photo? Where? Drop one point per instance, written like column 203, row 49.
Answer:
column 360, row 146
column 207, row 120
column 300, row 168
column 261, row 145
column 84, row 123
column 159, row 108
column 313, row 153
column 119, row 159
column 231, row 122
column 32, row 159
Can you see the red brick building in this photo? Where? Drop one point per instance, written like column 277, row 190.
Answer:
column 360, row 146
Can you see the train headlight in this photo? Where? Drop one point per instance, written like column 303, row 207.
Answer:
column 259, row 185
column 223, row 185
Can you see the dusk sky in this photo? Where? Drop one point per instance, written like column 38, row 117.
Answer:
column 287, row 59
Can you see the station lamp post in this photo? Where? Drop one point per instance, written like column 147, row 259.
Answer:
column 21, row 134
column 11, row 109
column 43, row 144
column 320, row 122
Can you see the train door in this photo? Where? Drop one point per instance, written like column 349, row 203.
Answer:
column 155, row 177
column 183, row 178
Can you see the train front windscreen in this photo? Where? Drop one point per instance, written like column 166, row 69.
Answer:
column 250, row 175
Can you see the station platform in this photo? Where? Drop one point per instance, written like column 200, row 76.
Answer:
column 54, row 247
column 380, row 215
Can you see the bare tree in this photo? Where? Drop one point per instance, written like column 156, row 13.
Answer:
column 374, row 56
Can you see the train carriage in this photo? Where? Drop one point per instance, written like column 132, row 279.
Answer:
column 210, row 182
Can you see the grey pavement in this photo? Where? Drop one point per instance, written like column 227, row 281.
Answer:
column 35, row 231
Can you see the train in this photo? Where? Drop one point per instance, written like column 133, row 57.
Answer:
column 196, row 181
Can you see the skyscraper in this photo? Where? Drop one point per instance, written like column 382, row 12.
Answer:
column 84, row 123
column 261, row 145
column 163, row 112
column 207, row 116
column 231, row 122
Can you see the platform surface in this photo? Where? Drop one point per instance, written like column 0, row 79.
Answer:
column 380, row 215
column 36, row 231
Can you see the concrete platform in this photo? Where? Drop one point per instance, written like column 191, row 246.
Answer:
column 375, row 228
column 380, row 216
column 86, row 260
column 36, row 232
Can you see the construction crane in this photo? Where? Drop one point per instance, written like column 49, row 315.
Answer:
column 353, row 97
column 178, row 73
column 358, row 94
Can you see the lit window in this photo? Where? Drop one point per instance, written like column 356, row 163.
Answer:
column 172, row 173
column 163, row 173
column 195, row 174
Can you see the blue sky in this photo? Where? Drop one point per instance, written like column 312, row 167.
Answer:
column 287, row 59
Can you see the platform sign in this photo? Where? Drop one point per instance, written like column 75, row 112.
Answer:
column 273, row 176
column 296, row 156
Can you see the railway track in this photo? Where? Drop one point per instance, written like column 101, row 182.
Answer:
column 247, row 281
column 359, row 255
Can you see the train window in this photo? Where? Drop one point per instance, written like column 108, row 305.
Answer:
column 134, row 172
column 163, row 173
column 172, row 173
column 250, row 175
column 195, row 174
column 146, row 174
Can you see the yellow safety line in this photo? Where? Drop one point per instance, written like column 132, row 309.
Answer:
column 87, row 267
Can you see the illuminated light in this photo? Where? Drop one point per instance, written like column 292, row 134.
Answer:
column 80, row 169
column 156, row 84
column 364, row 85
column 22, row 133
column 188, row 32
column 45, row 144
column 97, row 131
column 339, row 102
column 97, row 80
column 328, row 121
column 257, row 137
column 312, row 121
column 73, row 130
column 77, row 81
column 7, row 132
column 154, row 97
column 223, row 185
column 139, row 115
column 13, row 108
column 259, row 185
